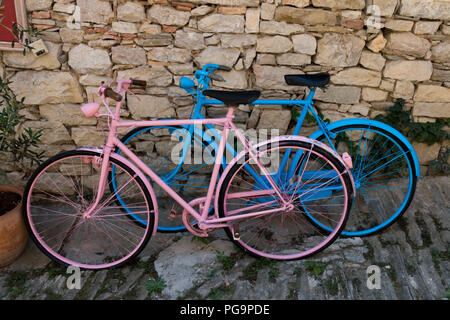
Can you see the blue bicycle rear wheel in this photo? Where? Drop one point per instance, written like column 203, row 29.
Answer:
column 180, row 158
column 384, row 174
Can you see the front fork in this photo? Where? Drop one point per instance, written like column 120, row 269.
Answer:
column 105, row 167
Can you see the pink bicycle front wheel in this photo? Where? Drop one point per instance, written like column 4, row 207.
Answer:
column 307, row 213
column 63, row 189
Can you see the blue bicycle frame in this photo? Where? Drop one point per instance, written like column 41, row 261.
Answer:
column 203, row 80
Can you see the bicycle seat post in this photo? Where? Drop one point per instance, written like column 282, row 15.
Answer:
column 312, row 91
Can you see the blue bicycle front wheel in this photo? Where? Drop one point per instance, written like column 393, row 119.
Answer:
column 180, row 158
column 384, row 175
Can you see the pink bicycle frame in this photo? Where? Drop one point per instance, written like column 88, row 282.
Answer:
column 227, row 123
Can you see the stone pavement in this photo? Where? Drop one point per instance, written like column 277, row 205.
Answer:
column 413, row 257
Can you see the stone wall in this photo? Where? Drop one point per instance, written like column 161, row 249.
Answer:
column 404, row 53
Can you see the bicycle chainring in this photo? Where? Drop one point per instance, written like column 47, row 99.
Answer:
column 190, row 222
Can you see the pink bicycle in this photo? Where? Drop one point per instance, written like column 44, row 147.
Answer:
column 282, row 210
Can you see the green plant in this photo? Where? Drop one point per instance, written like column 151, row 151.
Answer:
column 410, row 268
column 52, row 296
column 18, row 31
column 226, row 262
column 332, row 286
column 441, row 164
column 55, row 271
column 429, row 132
column 274, row 272
column 309, row 117
column 252, row 270
column 315, row 268
column 437, row 257
column 142, row 264
column 219, row 293
column 201, row 239
column 19, row 145
column 155, row 285
column 17, row 282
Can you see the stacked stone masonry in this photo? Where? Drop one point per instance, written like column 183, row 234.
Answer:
column 375, row 50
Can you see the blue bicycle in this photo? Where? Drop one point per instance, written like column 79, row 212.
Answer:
column 385, row 165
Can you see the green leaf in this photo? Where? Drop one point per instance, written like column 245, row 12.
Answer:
column 294, row 113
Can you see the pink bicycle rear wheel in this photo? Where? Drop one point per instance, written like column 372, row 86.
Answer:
column 63, row 188
column 312, row 181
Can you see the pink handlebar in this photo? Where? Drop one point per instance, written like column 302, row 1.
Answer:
column 91, row 109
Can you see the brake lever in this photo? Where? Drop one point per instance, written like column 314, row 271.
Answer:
column 132, row 93
column 216, row 77
column 224, row 68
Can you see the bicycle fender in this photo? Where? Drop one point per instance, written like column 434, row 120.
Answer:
column 140, row 175
column 377, row 124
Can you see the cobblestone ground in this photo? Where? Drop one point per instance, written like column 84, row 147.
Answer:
column 413, row 256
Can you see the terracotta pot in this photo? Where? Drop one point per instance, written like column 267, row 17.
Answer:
column 13, row 233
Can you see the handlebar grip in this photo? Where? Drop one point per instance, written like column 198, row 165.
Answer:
column 224, row 68
column 216, row 77
column 141, row 83
column 110, row 93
